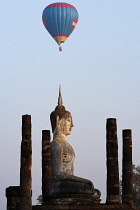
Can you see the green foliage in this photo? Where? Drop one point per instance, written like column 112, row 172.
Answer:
column 39, row 200
column 136, row 185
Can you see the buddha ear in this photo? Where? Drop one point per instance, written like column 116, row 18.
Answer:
column 57, row 121
column 57, row 128
column 60, row 126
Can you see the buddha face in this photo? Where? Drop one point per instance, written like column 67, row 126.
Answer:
column 69, row 126
column 66, row 125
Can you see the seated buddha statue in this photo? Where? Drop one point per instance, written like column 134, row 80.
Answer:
column 63, row 180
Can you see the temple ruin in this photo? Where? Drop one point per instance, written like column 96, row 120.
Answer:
column 61, row 189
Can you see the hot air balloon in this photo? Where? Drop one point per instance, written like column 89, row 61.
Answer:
column 60, row 19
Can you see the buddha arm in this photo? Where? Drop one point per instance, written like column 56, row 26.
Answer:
column 56, row 162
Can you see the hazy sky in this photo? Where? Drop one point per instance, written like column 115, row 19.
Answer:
column 99, row 69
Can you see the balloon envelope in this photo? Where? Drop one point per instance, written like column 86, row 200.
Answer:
column 60, row 19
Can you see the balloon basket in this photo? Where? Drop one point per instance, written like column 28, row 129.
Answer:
column 60, row 48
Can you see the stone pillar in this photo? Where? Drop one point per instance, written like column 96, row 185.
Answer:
column 26, row 165
column 113, row 194
column 127, row 175
column 46, row 164
column 13, row 196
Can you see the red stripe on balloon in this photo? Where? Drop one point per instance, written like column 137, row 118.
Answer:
column 44, row 22
column 59, row 4
column 66, row 35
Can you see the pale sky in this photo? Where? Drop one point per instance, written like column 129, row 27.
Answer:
column 99, row 70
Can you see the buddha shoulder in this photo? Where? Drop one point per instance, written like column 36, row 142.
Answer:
column 62, row 145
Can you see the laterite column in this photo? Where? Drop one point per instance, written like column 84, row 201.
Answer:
column 113, row 194
column 46, row 164
column 127, row 175
column 26, row 165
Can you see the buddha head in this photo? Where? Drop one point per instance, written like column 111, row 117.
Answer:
column 61, row 118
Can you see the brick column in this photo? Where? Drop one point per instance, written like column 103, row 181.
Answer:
column 26, row 165
column 113, row 194
column 13, row 196
column 127, row 175
column 46, row 164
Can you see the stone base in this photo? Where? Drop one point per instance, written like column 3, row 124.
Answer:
column 77, row 202
column 73, row 199
column 82, row 207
